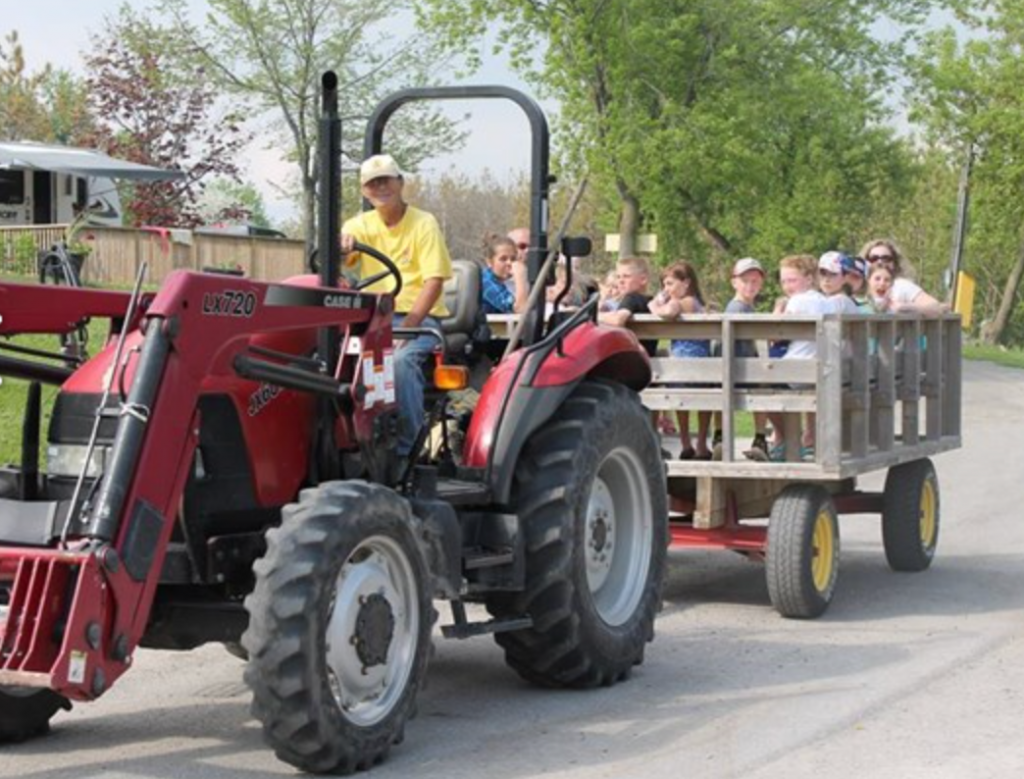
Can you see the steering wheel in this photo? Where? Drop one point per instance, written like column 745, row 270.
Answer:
column 383, row 259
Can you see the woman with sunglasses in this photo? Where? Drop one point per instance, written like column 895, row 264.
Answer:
column 905, row 295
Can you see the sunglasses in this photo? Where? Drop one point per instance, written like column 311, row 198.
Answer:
column 880, row 258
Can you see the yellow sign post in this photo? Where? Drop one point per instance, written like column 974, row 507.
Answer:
column 963, row 300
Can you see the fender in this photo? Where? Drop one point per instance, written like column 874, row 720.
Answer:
column 528, row 388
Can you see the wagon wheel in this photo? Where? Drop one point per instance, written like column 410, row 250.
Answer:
column 910, row 515
column 802, row 559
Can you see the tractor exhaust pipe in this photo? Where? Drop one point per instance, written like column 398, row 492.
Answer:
column 325, row 463
column 329, row 216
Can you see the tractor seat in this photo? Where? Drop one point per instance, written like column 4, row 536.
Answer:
column 465, row 326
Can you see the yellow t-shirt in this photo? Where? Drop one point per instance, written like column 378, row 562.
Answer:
column 417, row 247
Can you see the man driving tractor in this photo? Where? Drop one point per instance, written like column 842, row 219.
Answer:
column 414, row 240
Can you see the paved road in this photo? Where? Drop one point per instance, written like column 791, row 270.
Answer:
column 907, row 675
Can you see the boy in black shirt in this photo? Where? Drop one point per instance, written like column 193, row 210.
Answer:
column 632, row 275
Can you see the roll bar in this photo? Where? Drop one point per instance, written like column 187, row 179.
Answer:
column 540, row 178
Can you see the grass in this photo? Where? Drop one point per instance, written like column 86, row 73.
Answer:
column 1000, row 355
column 14, row 392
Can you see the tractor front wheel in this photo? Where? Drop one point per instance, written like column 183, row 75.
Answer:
column 590, row 493
column 26, row 712
column 339, row 628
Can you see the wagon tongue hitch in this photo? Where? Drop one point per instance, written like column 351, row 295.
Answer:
column 375, row 627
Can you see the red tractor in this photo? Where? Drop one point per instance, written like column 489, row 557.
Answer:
column 223, row 470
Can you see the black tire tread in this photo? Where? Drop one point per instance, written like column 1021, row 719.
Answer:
column 291, row 699
column 565, row 647
column 789, row 555
column 901, row 505
column 26, row 717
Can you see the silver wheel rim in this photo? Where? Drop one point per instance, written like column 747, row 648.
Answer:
column 377, row 568
column 618, row 536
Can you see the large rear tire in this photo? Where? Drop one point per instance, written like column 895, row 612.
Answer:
column 910, row 515
column 802, row 559
column 590, row 492
column 26, row 712
column 339, row 628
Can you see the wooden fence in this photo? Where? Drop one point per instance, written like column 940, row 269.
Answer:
column 117, row 252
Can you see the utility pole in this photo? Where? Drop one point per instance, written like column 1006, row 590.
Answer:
column 960, row 228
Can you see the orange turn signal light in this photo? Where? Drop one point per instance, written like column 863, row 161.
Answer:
column 451, row 377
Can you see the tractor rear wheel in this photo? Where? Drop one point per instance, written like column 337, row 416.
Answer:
column 590, row 492
column 339, row 628
column 26, row 712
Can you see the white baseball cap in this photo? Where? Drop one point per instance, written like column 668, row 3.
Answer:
column 377, row 167
column 747, row 263
column 832, row 262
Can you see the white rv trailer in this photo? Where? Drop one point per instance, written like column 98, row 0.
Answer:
column 48, row 184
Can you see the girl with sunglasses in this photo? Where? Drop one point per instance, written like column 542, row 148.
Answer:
column 905, row 295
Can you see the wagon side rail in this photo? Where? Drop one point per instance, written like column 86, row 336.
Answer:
column 885, row 389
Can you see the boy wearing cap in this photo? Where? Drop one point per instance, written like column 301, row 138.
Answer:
column 747, row 281
column 413, row 240
column 855, row 274
column 832, row 283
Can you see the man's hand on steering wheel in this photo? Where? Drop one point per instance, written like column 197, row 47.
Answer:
column 349, row 244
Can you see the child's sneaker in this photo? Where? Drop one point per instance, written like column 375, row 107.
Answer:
column 758, row 449
column 777, row 454
column 807, row 454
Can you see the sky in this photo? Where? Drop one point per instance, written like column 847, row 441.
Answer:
column 58, row 31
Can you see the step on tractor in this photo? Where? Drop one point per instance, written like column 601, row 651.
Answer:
column 224, row 469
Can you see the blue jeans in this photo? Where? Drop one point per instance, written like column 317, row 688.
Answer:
column 409, row 358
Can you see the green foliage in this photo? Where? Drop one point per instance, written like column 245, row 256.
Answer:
column 740, row 128
column 967, row 96
column 270, row 54
column 24, row 254
column 49, row 105
column 13, row 393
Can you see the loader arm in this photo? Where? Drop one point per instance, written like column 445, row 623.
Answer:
column 77, row 607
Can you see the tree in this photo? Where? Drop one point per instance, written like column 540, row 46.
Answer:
column 228, row 200
column 160, row 110
column 47, row 106
column 21, row 113
column 271, row 53
column 728, row 127
column 968, row 94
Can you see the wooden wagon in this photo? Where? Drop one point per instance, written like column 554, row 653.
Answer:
column 886, row 393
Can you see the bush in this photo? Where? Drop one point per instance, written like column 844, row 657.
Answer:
column 24, row 254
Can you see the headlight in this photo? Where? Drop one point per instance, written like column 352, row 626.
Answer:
column 69, row 460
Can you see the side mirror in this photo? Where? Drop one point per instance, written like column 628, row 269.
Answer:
column 580, row 246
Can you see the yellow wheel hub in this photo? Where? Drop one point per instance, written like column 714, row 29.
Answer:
column 824, row 545
column 928, row 518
